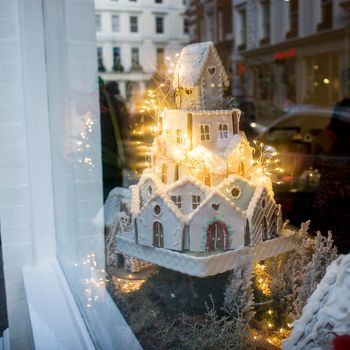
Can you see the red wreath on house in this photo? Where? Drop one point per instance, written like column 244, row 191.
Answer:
column 211, row 231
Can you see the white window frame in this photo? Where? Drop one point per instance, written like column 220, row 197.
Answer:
column 223, row 132
column 196, row 201
column 60, row 325
column 177, row 199
column 204, row 132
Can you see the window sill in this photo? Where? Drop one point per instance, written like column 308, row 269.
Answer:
column 57, row 322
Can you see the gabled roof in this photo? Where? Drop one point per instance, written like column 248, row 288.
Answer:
column 150, row 176
column 188, row 180
column 169, row 204
column 246, row 187
column 191, row 64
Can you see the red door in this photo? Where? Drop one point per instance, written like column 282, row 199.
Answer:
column 217, row 236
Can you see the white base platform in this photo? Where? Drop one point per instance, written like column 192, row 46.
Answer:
column 208, row 265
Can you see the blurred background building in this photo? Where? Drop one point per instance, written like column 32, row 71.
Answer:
column 290, row 52
column 133, row 39
column 211, row 20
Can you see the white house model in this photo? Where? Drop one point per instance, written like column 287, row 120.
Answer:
column 202, row 191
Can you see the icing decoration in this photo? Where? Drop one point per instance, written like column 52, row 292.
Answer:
column 215, row 206
column 211, row 70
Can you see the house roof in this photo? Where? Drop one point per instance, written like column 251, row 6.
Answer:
column 191, row 64
column 188, row 180
column 248, row 189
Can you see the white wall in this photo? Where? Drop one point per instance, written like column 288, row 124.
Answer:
column 16, row 193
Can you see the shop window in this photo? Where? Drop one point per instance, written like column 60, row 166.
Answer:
column 205, row 132
column 223, row 131
column 134, row 28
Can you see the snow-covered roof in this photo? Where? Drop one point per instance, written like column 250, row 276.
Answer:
column 135, row 200
column 168, row 202
column 188, row 180
column 191, row 64
column 150, row 176
column 327, row 312
column 247, row 187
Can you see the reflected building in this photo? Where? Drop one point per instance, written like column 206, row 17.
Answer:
column 211, row 20
column 133, row 39
column 290, row 52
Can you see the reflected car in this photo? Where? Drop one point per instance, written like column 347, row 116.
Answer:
column 314, row 152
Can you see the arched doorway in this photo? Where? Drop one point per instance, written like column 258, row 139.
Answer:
column 217, row 236
column 158, row 235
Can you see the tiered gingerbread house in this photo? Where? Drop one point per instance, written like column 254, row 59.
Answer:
column 202, row 191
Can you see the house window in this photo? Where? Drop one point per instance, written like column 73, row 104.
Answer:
column 176, row 176
column 133, row 24
column 326, row 15
column 177, row 200
column 243, row 29
column 186, row 26
column 265, row 10
column 241, row 168
column 293, row 18
column 158, row 235
column 196, row 201
column 264, row 229
column 157, row 209
column 179, row 138
column 135, row 58
column 158, row 1
column 205, row 132
column 159, row 25
column 160, row 58
column 98, row 23
column 115, row 23
column 101, row 67
column 116, row 59
column 220, row 25
column 223, row 131
column 207, row 177
column 164, row 173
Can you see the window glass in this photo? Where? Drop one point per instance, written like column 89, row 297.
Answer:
column 134, row 24
column 115, row 23
column 185, row 154
column 159, row 25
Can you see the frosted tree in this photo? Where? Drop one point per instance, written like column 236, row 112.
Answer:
column 324, row 253
column 239, row 301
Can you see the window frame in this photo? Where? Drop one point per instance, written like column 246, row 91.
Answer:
column 134, row 27
column 115, row 24
column 159, row 26
column 223, row 133
column 196, row 201
column 177, row 199
column 204, row 132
